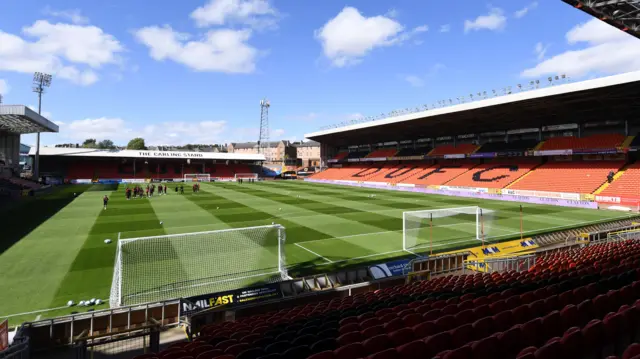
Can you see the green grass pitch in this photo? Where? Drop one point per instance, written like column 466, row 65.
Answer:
column 52, row 248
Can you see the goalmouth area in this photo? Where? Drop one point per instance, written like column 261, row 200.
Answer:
column 61, row 236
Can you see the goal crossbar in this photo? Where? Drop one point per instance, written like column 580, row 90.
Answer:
column 197, row 177
column 418, row 226
column 157, row 268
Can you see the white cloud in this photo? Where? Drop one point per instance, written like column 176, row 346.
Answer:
column 222, row 50
column 254, row 13
column 445, row 28
column 608, row 51
column 181, row 133
column 59, row 49
column 101, row 128
column 414, row 81
column 494, row 20
column 349, row 36
column 84, row 78
column 4, row 87
column 393, row 13
column 540, row 50
column 522, row 12
column 73, row 15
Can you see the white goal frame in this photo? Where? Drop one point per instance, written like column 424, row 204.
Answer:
column 253, row 176
column 426, row 214
column 116, row 298
column 197, row 177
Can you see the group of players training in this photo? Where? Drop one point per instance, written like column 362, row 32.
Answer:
column 149, row 190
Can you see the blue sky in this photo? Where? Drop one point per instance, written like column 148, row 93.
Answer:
column 195, row 70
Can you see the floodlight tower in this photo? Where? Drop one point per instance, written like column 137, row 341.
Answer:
column 263, row 141
column 40, row 81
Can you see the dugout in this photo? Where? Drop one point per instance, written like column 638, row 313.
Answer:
column 16, row 120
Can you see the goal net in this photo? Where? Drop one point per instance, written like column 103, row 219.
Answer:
column 247, row 176
column 422, row 230
column 152, row 269
column 197, row 177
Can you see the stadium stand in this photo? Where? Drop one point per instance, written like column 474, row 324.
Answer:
column 635, row 143
column 513, row 146
column 495, row 174
column 341, row 155
column 419, row 151
column 589, row 142
column 441, row 173
column 465, row 148
column 572, row 304
column 627, row 185
column 574, row 177
column 356, row 154
column 387, row 152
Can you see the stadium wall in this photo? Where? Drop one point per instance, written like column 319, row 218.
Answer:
column 569, row 200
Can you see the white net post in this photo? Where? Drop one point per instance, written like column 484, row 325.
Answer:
column 197, row 177
column 158, row 268
column 420, row 229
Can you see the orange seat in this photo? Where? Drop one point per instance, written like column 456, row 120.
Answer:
column 492, row 175
column 465, row 148
column 596, row 141
column 571, row 177
column 627, row 185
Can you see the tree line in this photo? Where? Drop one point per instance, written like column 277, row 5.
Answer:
column 137, row 143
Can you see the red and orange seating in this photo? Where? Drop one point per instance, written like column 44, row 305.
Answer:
column 440, row 174
column 571, row 177
column 589, row 142
column 388, row 152
column 627, row 185
column 493, row 175
column 465, row 148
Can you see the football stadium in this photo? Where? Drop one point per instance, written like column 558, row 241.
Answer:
column 506, row 226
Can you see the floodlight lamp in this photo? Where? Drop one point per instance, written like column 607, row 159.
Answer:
column 557, row 78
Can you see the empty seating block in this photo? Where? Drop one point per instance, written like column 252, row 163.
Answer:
column 627, row 185
column 595, row 141
column 571, row 177
column 439, row 174
column 492, row 175
column 388, row 152
column 465, row 148
column 573, row 304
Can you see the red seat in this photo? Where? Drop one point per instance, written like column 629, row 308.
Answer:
column 412, row 350
column 377, row 344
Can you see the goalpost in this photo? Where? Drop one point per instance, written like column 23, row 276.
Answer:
column 458, row 224
column 197, row 177
column 158, row 268
column 246, row 176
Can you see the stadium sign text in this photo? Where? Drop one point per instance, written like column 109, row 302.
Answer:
column 231, row 298
column 170, row 154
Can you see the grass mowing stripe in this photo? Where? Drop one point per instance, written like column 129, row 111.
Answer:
column 330, row 225
column 37, row 261
column 92, row 270
column 328, row 208
column 235, row 214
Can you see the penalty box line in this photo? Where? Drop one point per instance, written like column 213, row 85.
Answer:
column 315, row 254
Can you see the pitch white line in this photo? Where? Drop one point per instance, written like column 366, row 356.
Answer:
column 315, row 254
